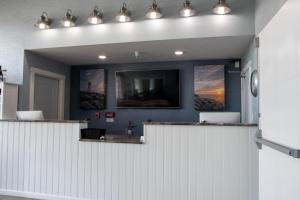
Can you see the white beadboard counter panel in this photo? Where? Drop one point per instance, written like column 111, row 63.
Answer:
column 46, row 160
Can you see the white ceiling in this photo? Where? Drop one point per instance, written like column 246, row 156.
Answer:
column 194, row 49
column 18, row 34
column 123, row 51
column 30, row 10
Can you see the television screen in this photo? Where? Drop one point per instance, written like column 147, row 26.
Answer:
column 148, row 89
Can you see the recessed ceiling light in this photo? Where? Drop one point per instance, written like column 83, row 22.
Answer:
column 124, row 14
column 154, row 11
column 95, row 16
column 187, row 10
column 102, row 57
column 178, row 53
column 221, row 8
column 44, row 22
column 69, row 19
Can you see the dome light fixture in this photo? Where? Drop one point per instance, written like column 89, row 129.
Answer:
column 154, row 11
column 124, row 15
column 96, row 16
column 221, row 8
column 44, row 22
column 178, row 53
column 69, row 19
column 102, row 57
column 187, row 10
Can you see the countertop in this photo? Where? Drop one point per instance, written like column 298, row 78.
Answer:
column 145, row 123
column 46, row 120
column 199, row 124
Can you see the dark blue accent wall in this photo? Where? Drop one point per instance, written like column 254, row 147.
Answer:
column 185, row 114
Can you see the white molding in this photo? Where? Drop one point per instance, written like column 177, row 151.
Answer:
column 61, row 102
column 36, row 195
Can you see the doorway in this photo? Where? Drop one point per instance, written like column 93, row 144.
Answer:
column 47, row 93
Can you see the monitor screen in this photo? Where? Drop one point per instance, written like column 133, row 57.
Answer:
column 148, row 89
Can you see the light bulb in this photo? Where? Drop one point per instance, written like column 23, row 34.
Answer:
column 154, row 11
column 122, row 18
column 153, row 15
column 95, row 16
column 67, row 23
column 221, row 8
column 102, row 57
column 94, row 20
column 69, row 19
column 187, row 10
column 44, row 22
column 42, row 26
column 178, row 53
column 124, row 14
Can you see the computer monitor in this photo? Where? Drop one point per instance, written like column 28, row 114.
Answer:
column 220, row 117
column 30, row 115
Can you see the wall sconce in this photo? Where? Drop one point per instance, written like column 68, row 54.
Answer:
column 221, row 8
column 69, row 19
column 44, row 22
column 154, row 11
column 187, row 10
column 124, row 15
column 96, row 16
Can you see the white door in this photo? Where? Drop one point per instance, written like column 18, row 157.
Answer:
column 46, row 96
column 46, row 93
column 279, row 61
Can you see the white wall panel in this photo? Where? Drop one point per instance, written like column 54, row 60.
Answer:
column 46, row 160
column 279, row 58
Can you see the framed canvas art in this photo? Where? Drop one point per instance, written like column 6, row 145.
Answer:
column 209, row 88
column 92, row 89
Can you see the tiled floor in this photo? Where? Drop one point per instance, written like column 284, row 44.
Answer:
column 13, row 198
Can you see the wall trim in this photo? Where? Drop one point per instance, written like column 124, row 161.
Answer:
column 36, row 195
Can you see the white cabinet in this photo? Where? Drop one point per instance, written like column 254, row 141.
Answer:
column 8, row 100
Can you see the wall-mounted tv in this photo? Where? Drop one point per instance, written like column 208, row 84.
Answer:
column 148, row 89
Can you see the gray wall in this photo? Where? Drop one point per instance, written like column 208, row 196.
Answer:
column 185, row 114
column 264, row 11
column 37, row 61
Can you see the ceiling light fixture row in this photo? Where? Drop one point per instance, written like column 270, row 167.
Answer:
column 136, row 54
column 124, row 15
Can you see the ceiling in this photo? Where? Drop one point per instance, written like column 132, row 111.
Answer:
column 194, row 49
column 30, row 10
column 197, row 48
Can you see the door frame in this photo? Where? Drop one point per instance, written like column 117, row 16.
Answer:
column 245, row 87
column 61, row 93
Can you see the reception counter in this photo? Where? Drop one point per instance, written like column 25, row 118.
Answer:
column 47, row 160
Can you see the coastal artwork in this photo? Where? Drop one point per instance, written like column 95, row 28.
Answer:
column 92, row 89
column 209, row 88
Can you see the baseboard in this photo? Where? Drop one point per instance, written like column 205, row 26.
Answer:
column 37, row 195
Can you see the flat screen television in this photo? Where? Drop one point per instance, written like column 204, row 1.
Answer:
column 148, row 89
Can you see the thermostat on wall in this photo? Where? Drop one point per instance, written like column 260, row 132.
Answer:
column 110, row 117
